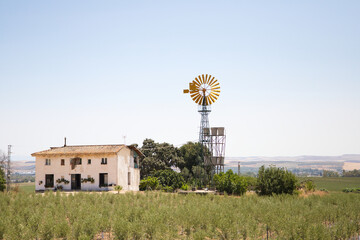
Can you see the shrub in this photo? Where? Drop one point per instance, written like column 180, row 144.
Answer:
column 118, row 188
column 309, row 186
column 275, row 180
column 149, row 183
column 169, row 178
column 167, row 189
column 185, row 187
column 230, row 183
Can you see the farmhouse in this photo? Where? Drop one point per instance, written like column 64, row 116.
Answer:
column 88, row 167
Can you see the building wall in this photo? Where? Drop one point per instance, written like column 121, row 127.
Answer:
column 118, row 168
column 126, row 158
column 86, row 170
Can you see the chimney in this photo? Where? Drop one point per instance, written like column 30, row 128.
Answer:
column 64, row 141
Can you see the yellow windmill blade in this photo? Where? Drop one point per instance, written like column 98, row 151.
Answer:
column 204, row 89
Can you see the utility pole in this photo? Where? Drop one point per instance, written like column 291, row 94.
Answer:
column 239, row 168
column 8, row 169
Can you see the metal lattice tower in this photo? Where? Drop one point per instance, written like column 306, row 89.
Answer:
column 204, row 111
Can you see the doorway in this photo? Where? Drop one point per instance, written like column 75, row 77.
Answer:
column 75, row 181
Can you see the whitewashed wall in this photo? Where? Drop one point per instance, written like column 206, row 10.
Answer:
column 117, row 168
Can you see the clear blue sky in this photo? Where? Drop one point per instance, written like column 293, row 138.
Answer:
column 94, row 71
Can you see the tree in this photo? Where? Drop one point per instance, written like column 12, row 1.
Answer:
column 191, row 154
column 230, row 183
column 169, row 178
column 158, row 156
column 275, row 180
column 2, row 171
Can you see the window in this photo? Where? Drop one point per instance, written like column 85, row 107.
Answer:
column 89, row 161
column 62, row 162
column 75, row 161
column 104, row 161
column 49, row 180
column 103, row 179
column 47, row 161
column 129, row 178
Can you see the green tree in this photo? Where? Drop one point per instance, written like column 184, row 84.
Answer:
column 158, row 156
column 230, row 183
column 275, row 180
column 149, row 183
column 169, row 178
column 191, row 154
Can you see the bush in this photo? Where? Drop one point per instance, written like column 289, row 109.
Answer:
column 2, row 180
column 149, row 183
column 118, row 188
column 167, row 189
column 309, row 186
column 275, row 180
column 230, row 183
column 354, row 190
column 169, row 178
column 185, row 187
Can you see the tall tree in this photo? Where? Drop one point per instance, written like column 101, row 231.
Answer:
column 158, row 156
column 191, row 153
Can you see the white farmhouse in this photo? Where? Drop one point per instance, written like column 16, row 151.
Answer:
column 88, row 167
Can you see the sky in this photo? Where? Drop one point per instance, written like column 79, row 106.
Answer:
column 96, row 71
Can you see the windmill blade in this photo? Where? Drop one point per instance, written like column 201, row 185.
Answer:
column 207, row 101
column 196, row 98
column 212, row 98
column 206, row 79
column 212, row 81
column 215, row 94
column 197, row 82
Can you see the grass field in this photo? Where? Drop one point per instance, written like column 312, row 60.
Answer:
column 26, row 187
column 156, row 215
column 336, row 184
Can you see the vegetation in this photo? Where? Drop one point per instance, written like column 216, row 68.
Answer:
column 118, row 188
column 169, row 178
column 230, row 183
column 275, row 180
column 353, row 173
column 20, row 178
column 327, row 173
column 2, row 180
column 158, row 156
column 149, row 183
column 335, row 184
column 354, row 190
column 156, row 215
column 2, row 171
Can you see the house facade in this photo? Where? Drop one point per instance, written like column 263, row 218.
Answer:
column 88, row 167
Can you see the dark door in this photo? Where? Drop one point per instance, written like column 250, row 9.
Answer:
column 75, row 181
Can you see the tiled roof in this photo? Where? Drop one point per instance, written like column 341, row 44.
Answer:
column 82, row 149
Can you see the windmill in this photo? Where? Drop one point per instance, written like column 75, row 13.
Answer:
column 204, row 91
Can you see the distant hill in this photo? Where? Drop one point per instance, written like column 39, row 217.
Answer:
column 23, row 167
column 306, row 165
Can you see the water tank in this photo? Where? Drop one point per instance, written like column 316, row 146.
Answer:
column 214, row 131
column 221, row 131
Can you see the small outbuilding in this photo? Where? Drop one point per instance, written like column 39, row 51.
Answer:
column 88, row 167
